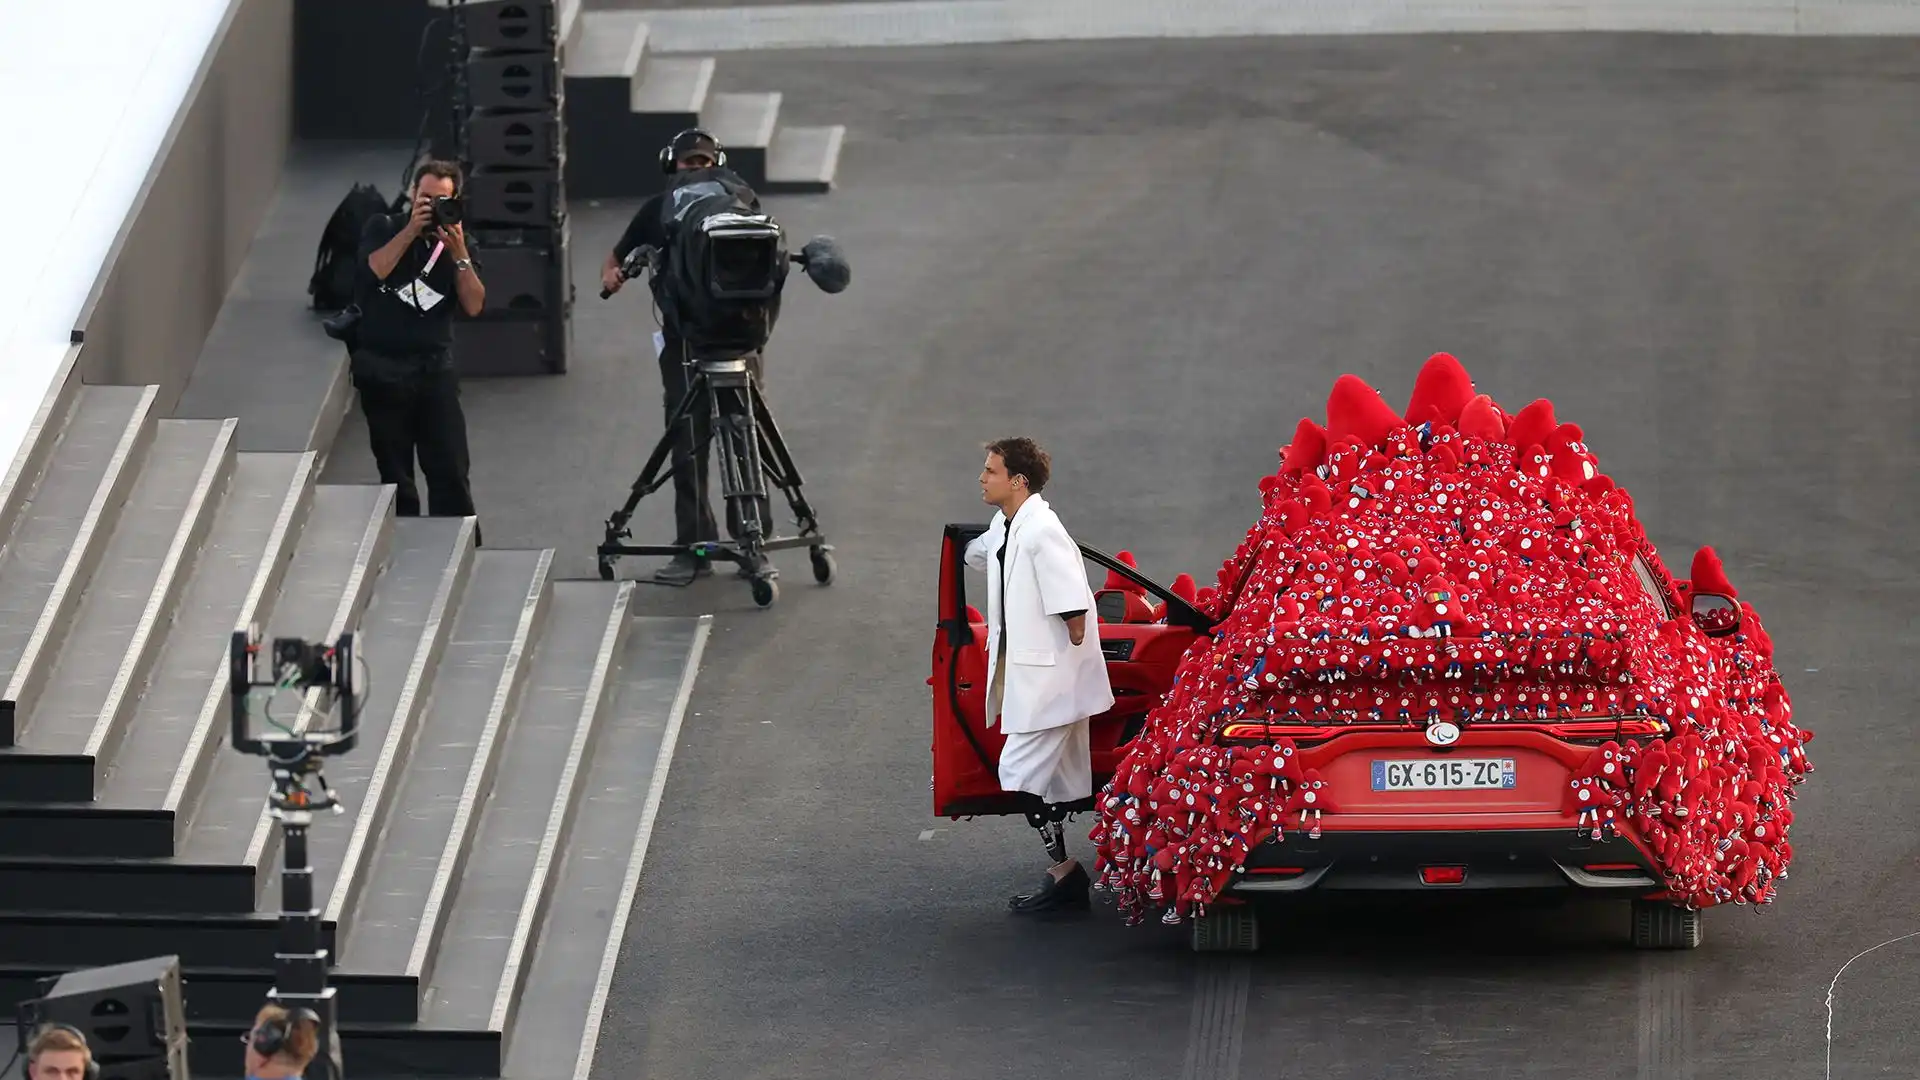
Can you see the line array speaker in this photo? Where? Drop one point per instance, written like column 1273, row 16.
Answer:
column 511, row 24
column 516, row 211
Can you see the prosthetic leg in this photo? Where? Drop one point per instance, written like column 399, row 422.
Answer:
column 1054, row 835
column 1071, row 891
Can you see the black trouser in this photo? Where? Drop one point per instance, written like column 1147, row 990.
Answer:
column 412, row 405
column 692, row 512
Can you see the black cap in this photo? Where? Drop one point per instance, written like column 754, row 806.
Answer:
column 691, row 140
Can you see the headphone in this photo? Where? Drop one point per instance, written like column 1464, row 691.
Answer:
column 271, row 1036
column 668, row 157
column 93, row 1067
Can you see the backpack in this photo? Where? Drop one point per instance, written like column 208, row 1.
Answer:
column 335, row 262
column 723, row 267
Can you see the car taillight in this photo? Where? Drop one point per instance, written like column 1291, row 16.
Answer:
column 1443, row 875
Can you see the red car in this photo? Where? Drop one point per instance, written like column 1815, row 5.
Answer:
column 1480, row 806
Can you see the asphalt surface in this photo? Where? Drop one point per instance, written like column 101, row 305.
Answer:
column 1156, row 257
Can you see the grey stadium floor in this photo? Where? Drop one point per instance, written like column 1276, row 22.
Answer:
column 1156, row 257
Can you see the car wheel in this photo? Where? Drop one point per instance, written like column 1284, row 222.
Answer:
column 1234, row 929
column 1660, row 925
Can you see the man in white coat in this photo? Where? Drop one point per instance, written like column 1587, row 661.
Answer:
column 1046, row 676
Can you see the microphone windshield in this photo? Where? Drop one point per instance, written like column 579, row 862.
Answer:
column 826, row 264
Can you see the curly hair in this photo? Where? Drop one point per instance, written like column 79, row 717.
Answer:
column 1024, row 457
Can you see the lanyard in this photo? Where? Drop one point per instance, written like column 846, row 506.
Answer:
column 438, row 247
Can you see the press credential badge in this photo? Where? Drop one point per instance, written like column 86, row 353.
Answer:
column 417, row 292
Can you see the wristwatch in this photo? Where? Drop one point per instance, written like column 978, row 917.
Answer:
column 463, row 264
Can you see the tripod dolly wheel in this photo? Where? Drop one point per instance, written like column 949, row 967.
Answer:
column 765, row 591
column 823, row 565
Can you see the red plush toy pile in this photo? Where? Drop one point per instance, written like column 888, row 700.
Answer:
column 1462, row 564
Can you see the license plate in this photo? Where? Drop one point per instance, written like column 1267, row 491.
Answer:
column 1443, row 774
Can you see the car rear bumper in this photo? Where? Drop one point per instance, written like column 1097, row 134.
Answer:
column 1431, row 860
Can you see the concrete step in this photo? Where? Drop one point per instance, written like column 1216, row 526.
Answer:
column 611, row 46
column 182, row 721
column 622, row 106
column 508, row 881
column 592, row 866
column 84, row 829
column 676, row 87
column 339, row 553
column 601, row 71
column 407, row 627
column 400, row 640
column 400, row 918
column 42, row 433
column 73, row 940
column 803, row 160
column 744, row 124
column 56, row 538
column 50, row 883
column 564, row 996
column 228, row 993
column 117, row 627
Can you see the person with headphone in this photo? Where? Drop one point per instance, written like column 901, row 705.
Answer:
column 690, row 150
column 59, row 1052
column 282, row 1043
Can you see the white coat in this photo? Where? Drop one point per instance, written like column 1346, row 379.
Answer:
column 1050, row 682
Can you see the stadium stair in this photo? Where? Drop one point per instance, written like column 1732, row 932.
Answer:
column 475, row 889
column 623, row 103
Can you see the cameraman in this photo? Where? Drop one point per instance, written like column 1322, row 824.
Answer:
column 282, row 1043
column 691, row 150
column 416, row 267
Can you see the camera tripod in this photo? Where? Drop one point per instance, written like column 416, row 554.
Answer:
column 751, row 453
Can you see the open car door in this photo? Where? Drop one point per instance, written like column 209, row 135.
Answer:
column 1143, row 645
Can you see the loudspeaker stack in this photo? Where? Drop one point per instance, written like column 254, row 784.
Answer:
column 514, row 147
column 132, row 1015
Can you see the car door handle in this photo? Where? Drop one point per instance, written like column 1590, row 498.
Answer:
column 965, row 685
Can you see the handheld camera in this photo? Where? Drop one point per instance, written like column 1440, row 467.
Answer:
column 448, row 210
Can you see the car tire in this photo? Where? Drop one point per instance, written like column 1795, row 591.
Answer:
column 1660, row 925
column 1227, row 929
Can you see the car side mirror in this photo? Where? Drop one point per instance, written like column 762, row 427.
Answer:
column 1715, row 614
column 1120, row 606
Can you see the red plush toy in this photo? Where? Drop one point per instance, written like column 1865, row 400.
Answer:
column 1461, row 564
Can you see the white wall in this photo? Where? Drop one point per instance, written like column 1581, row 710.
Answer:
column 103, row 81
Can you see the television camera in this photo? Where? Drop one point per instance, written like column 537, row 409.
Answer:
column 323, row 677
column 746, row 268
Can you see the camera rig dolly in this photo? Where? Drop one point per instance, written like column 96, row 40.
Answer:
column 323, row 675
column 751, row 455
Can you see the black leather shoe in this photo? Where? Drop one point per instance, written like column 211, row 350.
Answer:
column 1071, row 893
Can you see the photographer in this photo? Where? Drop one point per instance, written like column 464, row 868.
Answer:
column 415, row 268
column 691, row 150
